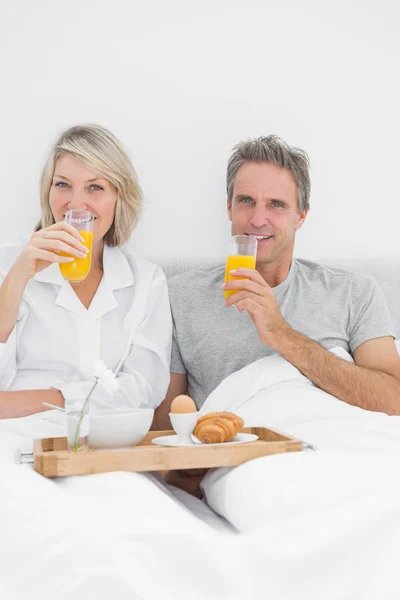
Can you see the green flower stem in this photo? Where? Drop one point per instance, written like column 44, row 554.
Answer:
column 81, row 417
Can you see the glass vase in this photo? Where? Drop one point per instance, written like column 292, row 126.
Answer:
column 78, row 424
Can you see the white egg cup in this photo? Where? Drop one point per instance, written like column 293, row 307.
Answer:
column 183, row 424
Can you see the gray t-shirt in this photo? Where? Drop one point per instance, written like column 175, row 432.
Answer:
column 331, row 306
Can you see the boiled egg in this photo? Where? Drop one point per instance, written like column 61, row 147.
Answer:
column 183, row 404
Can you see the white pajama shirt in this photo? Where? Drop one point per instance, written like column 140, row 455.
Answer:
column 56, row 339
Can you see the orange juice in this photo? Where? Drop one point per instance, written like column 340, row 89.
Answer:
column 77, row 269
column 237, row 262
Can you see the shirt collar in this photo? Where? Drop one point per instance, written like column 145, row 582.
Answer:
column 117, row 275
column 117, row 271
column 281, row 287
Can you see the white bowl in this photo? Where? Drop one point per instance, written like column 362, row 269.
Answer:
column 119, row 428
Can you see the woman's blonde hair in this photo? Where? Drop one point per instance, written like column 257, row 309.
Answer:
column 100, row 151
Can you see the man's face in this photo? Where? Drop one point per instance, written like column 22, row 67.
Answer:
column 264, row 205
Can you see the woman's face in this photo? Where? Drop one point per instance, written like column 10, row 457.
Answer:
column 75, row 187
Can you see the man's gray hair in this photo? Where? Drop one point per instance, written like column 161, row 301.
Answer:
column 272, row 149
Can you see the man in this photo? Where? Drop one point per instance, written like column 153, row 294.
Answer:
column 293, row 307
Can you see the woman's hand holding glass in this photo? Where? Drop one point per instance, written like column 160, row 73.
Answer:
column 60, row 243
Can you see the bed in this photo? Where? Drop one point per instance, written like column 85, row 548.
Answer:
column 321, row 524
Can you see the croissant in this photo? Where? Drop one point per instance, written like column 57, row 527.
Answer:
column 217, row 427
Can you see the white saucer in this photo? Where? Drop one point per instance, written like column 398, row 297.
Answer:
column 171, row 440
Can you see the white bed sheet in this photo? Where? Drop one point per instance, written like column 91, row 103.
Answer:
column 125, row 534
column 313, row 525
column 331, row 518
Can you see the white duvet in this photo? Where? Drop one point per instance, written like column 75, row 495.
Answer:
column 118, row 535
column 323, row 524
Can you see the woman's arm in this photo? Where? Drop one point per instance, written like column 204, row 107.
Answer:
column 11, row 292
column 42, row 250
column 27, row 402
column 12, row 309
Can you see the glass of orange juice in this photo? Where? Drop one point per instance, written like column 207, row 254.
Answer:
column 78, row 269
column 243, row 254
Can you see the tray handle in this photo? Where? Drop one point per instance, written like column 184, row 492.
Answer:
column 23, row 457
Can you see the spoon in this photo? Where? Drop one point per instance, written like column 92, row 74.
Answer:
column 53, row 406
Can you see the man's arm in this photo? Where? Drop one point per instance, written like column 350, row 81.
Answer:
column 27, row 402
column 373, row 383
column 177, row 386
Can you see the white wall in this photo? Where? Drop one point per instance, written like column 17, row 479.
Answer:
column 181, row 82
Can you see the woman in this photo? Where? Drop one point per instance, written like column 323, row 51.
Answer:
column 52, row 331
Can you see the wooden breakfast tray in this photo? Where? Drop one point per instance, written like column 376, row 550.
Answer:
column 52, row 459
